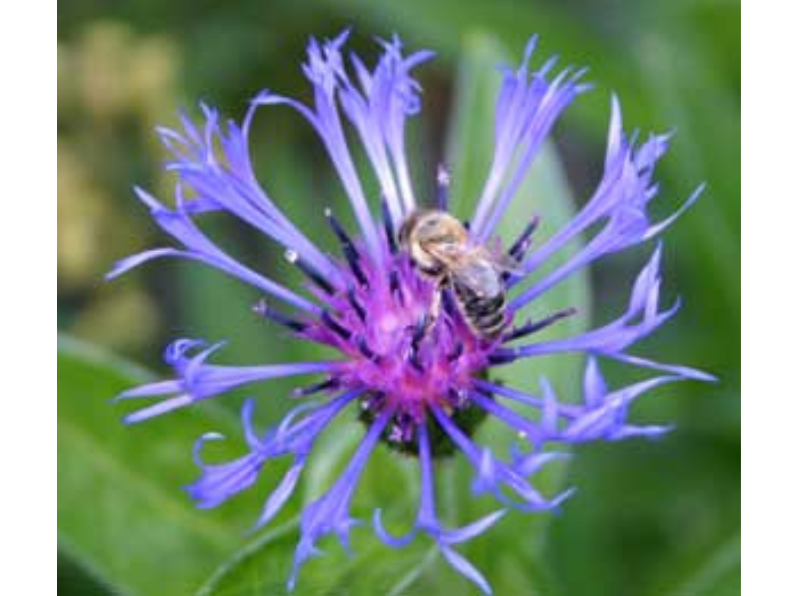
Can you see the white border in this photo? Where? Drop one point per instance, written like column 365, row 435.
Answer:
column 28, row 513
column 768, row 295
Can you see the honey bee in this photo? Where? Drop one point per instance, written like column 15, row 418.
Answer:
column 440, row 247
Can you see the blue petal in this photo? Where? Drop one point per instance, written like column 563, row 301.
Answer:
column 465, row 568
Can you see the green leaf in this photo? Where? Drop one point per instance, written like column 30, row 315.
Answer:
column 78, row 580
column 715, row 574
column 685, row 92
column 122, row 515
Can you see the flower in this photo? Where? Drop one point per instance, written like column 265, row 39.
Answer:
column 419, row 380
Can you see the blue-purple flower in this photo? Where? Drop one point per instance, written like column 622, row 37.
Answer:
column 418, row 387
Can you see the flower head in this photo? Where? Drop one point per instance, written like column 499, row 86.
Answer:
column 412, row 355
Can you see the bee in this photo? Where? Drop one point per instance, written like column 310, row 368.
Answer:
column 441, row 249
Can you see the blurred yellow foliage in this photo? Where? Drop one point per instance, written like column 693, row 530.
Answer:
column 123, row 318
column 82, row 211
column 113, row 87
column 112, row 73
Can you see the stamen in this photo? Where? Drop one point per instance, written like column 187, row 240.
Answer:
column 329, row 322
column 522, row 244
column 294, row 258
column 456, row 353
column 414, row 359
column 458, row 397
column 357, row 306
column 389, row 226
column 366, row 350
column 419, row 331
column 531, row 327
column 396, row 435
column 348, row 247
column 402, row 429
column 263, row 309
column 442, row 187
column 372, row 401
column 394, row 286
column 503, row 356
column 448, row 302
column 316, row 388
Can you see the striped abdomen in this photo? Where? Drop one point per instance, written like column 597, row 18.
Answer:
column 485, row 313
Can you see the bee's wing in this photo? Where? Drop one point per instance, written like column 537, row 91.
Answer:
column 506, row 263
column 501, row 261
column 477, row 276
column 456, row 256
column 452, row 254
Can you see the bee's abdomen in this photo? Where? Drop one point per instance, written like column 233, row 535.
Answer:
column 485, row 314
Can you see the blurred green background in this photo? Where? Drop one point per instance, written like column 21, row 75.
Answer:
column 658, row 518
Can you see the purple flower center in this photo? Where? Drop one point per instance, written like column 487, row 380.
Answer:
column 395, row 354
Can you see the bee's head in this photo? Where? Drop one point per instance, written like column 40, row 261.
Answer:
column 425, row 234
column 431, row 227
column 407, row 230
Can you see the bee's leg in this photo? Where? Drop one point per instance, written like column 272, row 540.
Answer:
column 448, row 302
column 431, row 316
column 441, row 299
column 426, row 321
column 418, row 333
